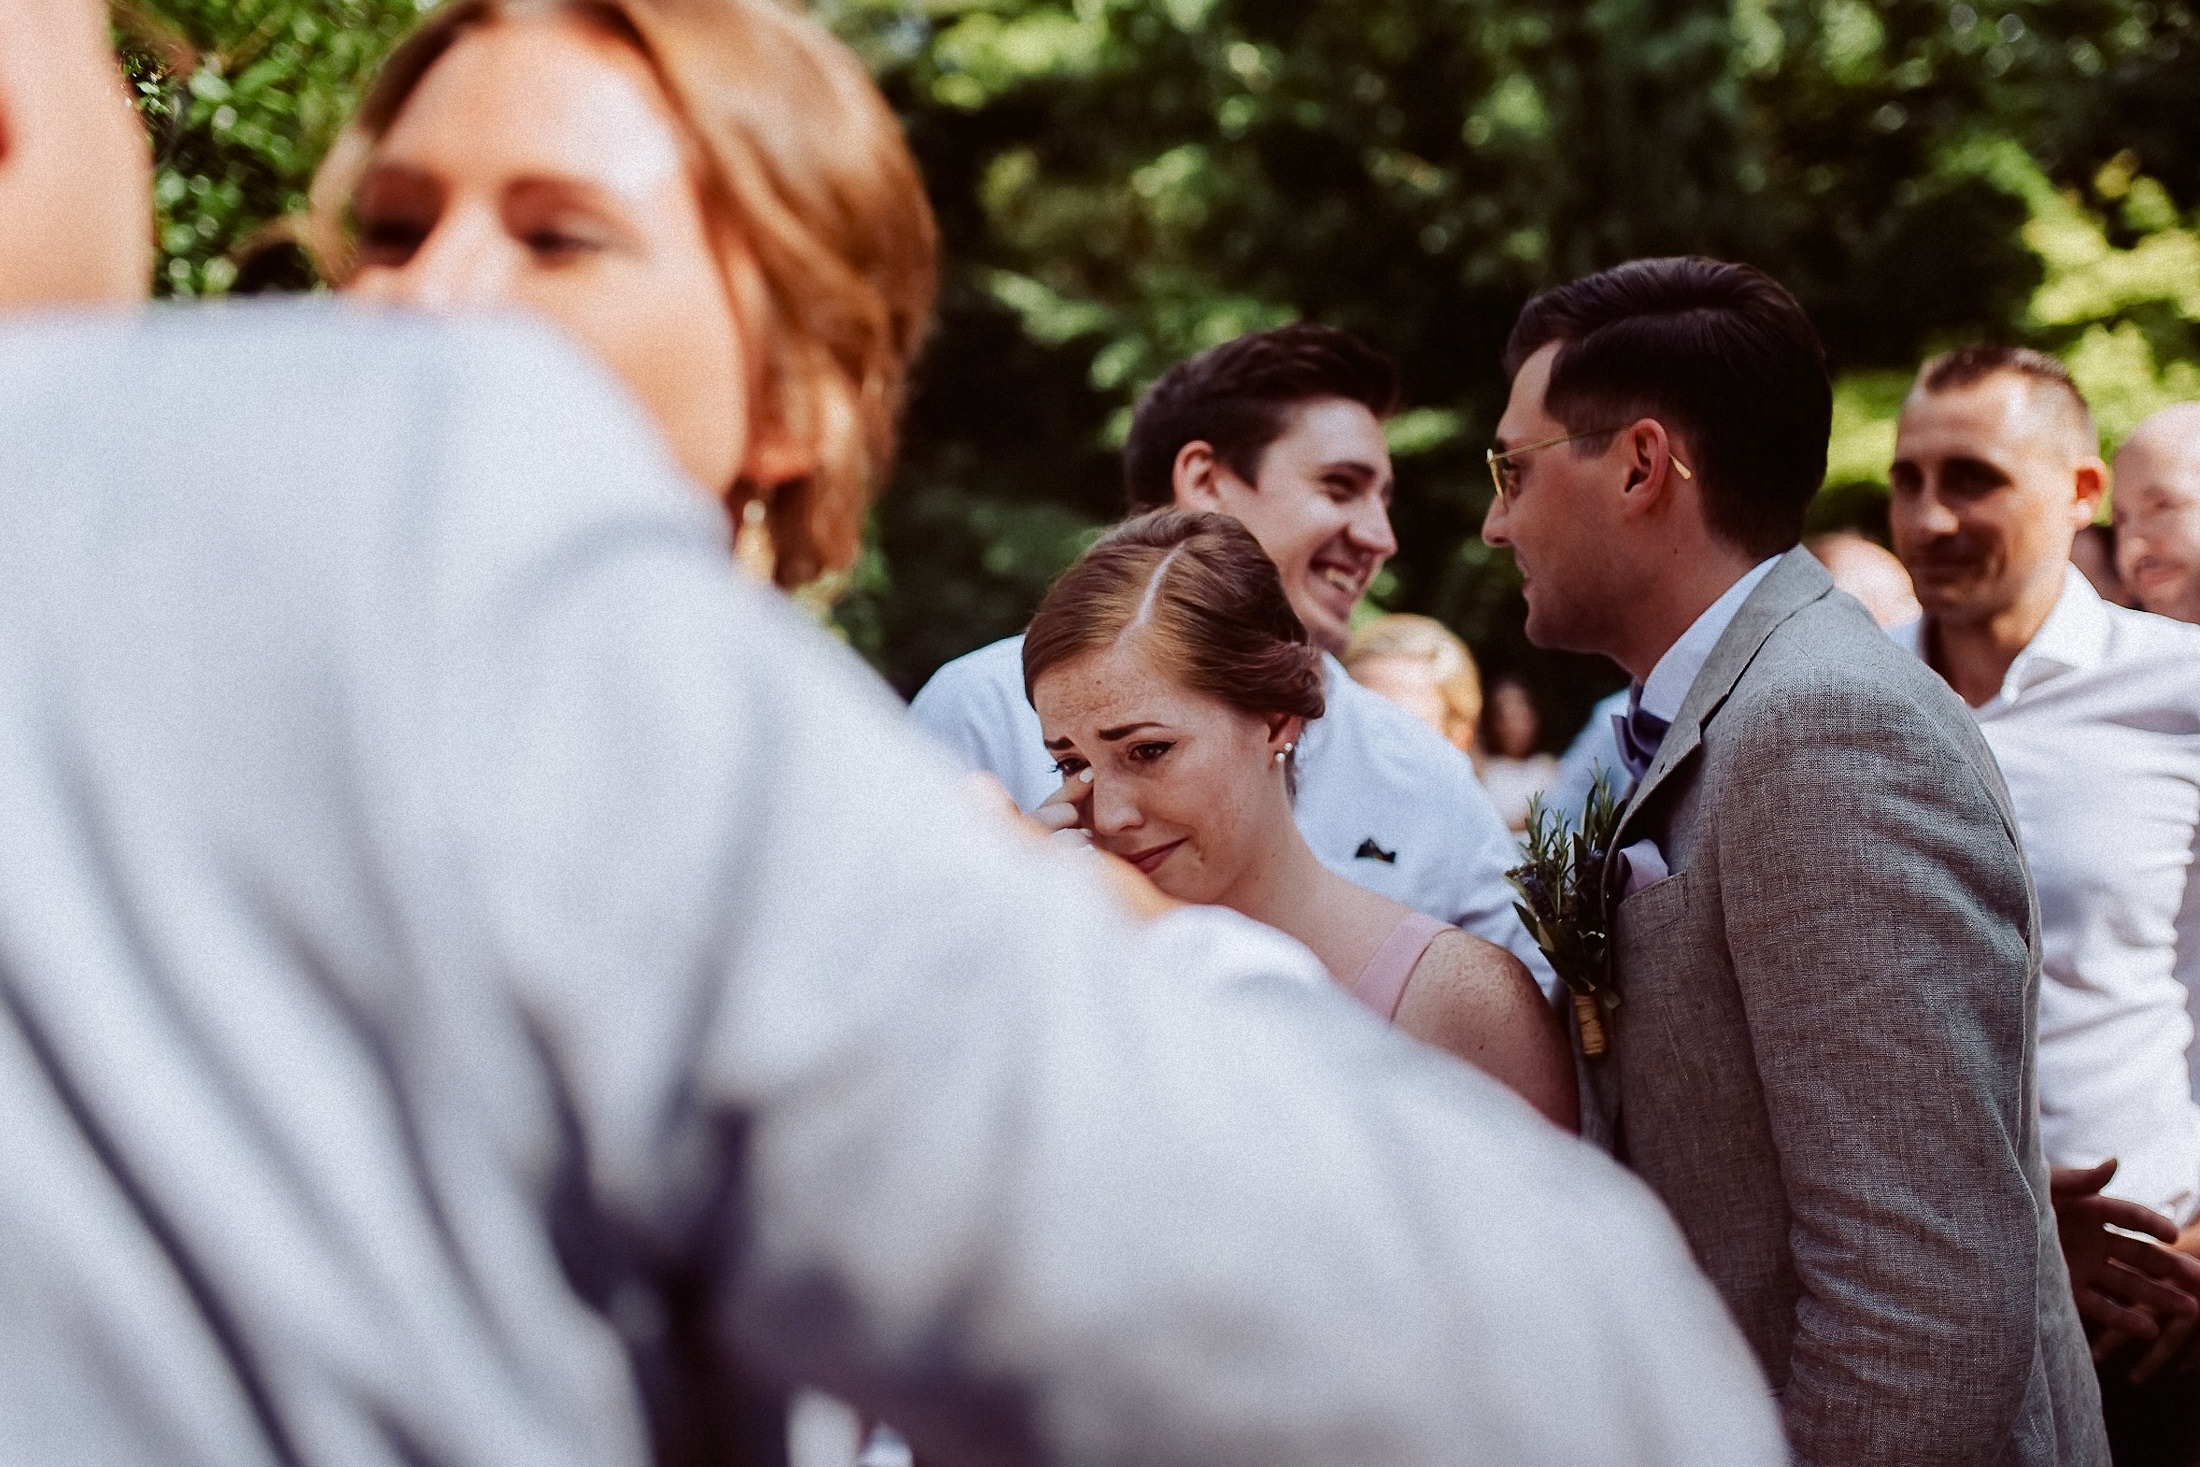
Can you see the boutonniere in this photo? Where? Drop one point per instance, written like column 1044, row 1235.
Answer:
column 1564, row 906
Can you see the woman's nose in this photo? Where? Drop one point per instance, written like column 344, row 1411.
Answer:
column 458, row 267
column 1113, row 808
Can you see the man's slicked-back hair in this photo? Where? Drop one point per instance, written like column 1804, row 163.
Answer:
column 1238, row 398
column 1719, row 353
column 1967, row 366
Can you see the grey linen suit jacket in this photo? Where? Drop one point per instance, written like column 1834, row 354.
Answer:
column 1823, row 1055
column 479, row 981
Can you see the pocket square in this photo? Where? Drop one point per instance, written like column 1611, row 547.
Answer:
column 1643, row 863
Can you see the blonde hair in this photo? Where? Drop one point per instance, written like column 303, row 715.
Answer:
column 1424, row 639
column 799, row 159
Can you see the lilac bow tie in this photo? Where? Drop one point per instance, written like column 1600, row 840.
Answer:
column 1640, row 732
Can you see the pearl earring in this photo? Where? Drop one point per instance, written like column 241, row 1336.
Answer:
column 1285, row 752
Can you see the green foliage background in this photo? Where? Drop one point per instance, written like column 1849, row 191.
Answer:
column 1122, row 182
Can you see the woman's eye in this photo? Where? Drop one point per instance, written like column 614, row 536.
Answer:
column 390, row 241
column 1147, row 753
column 559, row 243
column 1068, row 768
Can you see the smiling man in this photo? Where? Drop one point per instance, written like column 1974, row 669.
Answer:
column 2093, row 712
column 1283, row 431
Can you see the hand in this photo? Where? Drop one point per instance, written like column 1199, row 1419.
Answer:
column 2188, row 1363
column 1066, row 816
column 1054, row 817
column 1068, row 808
column 2128, row 1289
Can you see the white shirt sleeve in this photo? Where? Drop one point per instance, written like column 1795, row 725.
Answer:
column 975, row 706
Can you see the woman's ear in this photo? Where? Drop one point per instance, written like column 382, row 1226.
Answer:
column 1284, row 728
column 776, row 455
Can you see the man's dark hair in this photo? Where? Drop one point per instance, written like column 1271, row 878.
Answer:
column 1968, row 365
column 1238, row 398
column 1722, row 355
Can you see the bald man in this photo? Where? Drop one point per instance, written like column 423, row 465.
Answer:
column 2157, row 509
column 2093, row 713
column 482, row 983
column 1868, row 571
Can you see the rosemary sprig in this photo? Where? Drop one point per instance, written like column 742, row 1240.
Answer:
column 1562, row 904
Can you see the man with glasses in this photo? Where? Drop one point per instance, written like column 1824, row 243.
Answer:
column 1824, row 944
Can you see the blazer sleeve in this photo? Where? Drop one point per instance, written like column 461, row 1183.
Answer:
column 1878, row 914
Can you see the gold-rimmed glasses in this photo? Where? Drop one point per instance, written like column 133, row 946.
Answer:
column 1507, row 477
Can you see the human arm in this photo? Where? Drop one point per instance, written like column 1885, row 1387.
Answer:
column 1877, row 913
column 1477, row 1002
column 940, row 1130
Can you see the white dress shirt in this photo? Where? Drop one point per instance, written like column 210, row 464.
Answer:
column 1382, row 799
column 2097, row 730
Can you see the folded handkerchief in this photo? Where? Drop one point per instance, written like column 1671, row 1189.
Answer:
column 1643, row 864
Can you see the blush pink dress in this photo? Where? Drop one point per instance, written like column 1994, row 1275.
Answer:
column 1383, row 981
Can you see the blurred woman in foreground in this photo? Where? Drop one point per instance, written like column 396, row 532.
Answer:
column 711, row 195
column 1172, row 682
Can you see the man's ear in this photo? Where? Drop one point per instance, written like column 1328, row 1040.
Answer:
column 1195, row 477
column 1653, row 470
column 2091, row 487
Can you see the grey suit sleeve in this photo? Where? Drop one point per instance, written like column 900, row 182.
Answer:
column 1877, row 910
column 948, row 1136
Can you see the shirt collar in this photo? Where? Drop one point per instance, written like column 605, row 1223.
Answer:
column 1668, row 684
column 2074, row 638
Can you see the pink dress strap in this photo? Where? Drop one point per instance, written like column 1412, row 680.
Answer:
column 1382, row 983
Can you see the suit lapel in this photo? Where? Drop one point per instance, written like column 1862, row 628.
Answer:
column 1794, row 583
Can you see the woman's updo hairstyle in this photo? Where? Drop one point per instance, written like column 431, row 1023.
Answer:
column 1201, row 596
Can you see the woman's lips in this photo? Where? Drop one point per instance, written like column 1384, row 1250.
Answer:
column 1150, row 861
